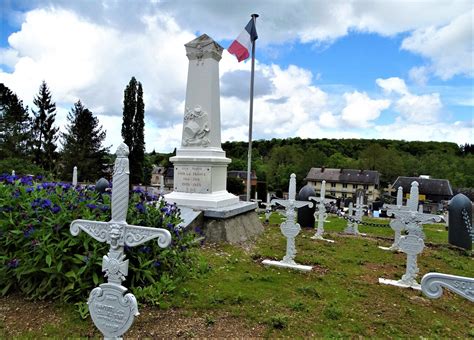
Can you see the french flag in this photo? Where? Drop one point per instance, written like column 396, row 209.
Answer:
column 241, row 46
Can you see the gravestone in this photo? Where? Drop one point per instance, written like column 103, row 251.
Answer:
column 268, row 209
column 162, row 185
column 432, row 285
column 320, row 214
column 111, row 310
column 353, row 223
column 306, row 214
column 350, row 223
column 256, row 200
column 460, row 232
column 290, row 229
column 74, row 176
column 101, row 185
column 411, row 244
column 397, row 225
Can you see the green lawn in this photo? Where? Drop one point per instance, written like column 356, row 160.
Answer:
column 341, row 297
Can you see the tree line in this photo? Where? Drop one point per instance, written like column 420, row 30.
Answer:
column 274, row 160
column 30, row 141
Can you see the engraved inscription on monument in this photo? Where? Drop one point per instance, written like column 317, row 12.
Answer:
column 192, row 179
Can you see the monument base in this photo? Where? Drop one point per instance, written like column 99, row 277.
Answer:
column 234, row 224
column 282, row 264
column 397, row 283
column 215, row 200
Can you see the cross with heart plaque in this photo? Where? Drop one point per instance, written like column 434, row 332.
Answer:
column 111, row 309
column 290, row 229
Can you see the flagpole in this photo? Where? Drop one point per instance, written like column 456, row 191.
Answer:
column 249, row 160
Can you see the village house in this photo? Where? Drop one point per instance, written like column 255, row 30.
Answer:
column 344, row 183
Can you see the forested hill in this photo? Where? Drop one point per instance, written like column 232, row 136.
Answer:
column 274, row 160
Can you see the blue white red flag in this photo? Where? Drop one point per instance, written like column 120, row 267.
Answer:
column 241, row 46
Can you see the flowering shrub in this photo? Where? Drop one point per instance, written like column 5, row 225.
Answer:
column 40, row 257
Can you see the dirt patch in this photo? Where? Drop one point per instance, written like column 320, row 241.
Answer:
column 375, row 270
column 19, row 316
column 175, row 323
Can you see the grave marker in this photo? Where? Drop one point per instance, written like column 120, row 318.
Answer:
column 111, row 309
column 411, row 244
column 268, row 209
column 353, row 226
column 460, row 232
column 290, row 229
column 320, row 214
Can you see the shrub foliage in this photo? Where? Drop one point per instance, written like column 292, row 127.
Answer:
column 40, row 257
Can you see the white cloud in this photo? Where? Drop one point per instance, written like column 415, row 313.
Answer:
column 394, row 84
column 328, row 120
column 401, row 129
column 82, row 60
column 360, row 110
column 449, row 48
column 421, row 109
column 419, row 75
column 417, row 108
column 90, row 53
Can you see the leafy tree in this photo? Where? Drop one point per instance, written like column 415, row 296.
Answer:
column 15, row 125
column 82, row 145
column 133, row 126
column 44, row 132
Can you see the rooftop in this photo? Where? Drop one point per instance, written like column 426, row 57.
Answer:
column 344, row 175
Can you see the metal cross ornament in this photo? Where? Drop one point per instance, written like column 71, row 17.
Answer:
column 411, row 244
column 268, row 209
column 353, row 226
column 111, row 309
column 320, row 214
column 290, row 228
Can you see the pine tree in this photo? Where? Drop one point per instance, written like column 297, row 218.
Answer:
column 133, row 126
column 45, row 133
column 15, row 125
column 82, row 145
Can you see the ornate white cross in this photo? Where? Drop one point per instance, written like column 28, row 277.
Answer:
column 411, row 244
column 413, row 219
column 268, row 209
column 290, row 228
column 111, row 310
column 397, row 225
column 353, row 223
column 320, row 214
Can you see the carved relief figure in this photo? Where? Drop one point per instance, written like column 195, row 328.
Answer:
column 196, row 127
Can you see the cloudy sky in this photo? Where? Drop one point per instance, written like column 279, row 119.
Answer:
column 324, row 69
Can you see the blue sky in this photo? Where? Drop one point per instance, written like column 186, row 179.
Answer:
column 358, row 69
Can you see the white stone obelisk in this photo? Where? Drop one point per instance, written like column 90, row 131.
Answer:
column 74, row 176
column 200, row 164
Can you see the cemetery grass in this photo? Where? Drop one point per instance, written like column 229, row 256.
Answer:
column 236, row 296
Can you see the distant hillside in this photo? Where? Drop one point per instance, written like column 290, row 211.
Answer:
column 275, row 159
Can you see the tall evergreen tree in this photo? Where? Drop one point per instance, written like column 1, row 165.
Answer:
column 82, row 145
column 15, row 125
column 45, row 133
column 133, row 126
